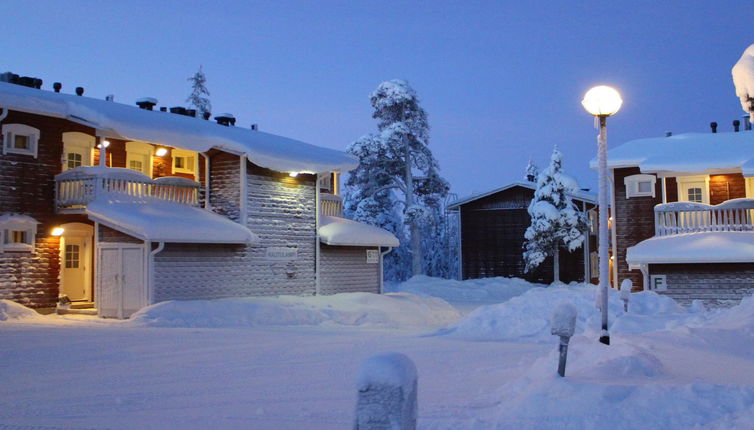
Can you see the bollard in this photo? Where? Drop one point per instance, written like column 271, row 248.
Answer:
column 625, row 292
column 564, row 325
column 387, row 386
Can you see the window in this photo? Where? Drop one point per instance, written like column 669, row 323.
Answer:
column 184, row 162
column 693, row 189
column 695, row 195
column 640, row 185
column 77, row 149
column 73, row 160
column 17, row 233
column 72, row 254
column 139, row 157
column 20, row 139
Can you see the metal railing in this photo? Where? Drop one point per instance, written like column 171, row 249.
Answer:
column 332, row 205
column 687, row 217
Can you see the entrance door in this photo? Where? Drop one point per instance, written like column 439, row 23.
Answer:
column 693, row 189
column 120, row 280
column 76, row 261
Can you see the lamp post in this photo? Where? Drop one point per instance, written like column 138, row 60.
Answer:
column 602, row 102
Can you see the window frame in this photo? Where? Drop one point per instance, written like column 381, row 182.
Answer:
column 143, row 153
column 632, row 185
column 75, row 142
column 182, row 153
column 9, row 133
column 11, row 223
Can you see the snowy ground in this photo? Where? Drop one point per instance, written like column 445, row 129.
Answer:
column 293, row 362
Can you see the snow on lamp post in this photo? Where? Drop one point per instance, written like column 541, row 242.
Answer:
column 602, row 102
column 563, row 324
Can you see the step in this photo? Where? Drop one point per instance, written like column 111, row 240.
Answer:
column 82, row 305
column 73, row 311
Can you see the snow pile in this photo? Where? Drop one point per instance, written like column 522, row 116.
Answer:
column 563, row 320
column 398, row 310
column 12, row 311
column 485, row 290
column 743, row 79
column 387, row 369
column 527, row 317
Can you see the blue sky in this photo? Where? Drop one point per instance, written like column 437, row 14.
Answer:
column 501, row 80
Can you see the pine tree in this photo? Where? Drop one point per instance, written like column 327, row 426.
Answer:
column 555, row 221
column 199, row 97
column 532, row 171
column 397, row 170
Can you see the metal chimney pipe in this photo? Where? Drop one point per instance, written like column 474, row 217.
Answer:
column 668, row 133
column 736, row 125
column 747, row 122
column 57, row 86
column 713, row 126
column 79, row 91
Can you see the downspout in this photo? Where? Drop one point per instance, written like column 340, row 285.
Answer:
column 206, row 179
column 4, row 114
column 614, row 233
column 587, row 262
column 95, row 247
column 150, row 268
column 460, row 246
column 644, row 276
column 382, row 272
column 244, row 201
column 317, row 210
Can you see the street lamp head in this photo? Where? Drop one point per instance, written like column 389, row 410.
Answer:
column 602, row 101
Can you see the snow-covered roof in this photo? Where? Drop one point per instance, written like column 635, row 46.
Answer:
column 132, row 123
column 691, row 153
column 345, row 232
column 161, row 221
column 703, row 247
column 578, row 195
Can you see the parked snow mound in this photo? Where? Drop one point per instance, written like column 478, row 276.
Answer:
column 486, row 290
column 11, row 311
column 349, row 309
column 527, row 317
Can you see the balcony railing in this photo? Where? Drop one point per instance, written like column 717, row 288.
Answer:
column 332, row 205
column 687, row 217
column 76, row 188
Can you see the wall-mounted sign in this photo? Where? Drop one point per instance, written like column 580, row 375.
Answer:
column 281, row 253
column 658, row 283
column 373, row 256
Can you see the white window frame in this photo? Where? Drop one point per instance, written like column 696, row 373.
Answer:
column 15, row 222
column 10, row 131
column 142, row 152
column 73, row 140
column 176, row 153
column 632, row 185
column 683, row 182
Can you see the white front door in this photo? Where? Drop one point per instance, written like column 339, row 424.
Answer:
column 76, row 261
column 693, row 189
column 121, row 282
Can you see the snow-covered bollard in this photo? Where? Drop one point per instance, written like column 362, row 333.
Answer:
column 563, row 325
column 387, row 393
column 625, row 292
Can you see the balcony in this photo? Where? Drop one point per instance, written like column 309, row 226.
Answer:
column 332, row 205
column 76, row 188
column 687, row 217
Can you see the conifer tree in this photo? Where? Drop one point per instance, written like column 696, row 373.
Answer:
column 199, row 97
column 532, row 171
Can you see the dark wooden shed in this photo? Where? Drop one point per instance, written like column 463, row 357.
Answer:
column 492, row 227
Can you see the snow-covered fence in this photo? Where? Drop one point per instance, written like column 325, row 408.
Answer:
column 332, row 205
column 387, row 386
column 563, row 324
column 80, row 186
column 688, row 217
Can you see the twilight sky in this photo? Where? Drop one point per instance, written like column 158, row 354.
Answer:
column 501, row 80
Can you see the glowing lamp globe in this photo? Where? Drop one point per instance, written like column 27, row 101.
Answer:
column 602, row 101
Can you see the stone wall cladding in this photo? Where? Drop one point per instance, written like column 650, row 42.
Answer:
column 344, row 270
column 281, row 211
column 634, row 223
column 723, row 284
column 27, row 187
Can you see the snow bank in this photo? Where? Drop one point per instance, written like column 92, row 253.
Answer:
column 13, row 311
column 398, row 310
column 486, row 290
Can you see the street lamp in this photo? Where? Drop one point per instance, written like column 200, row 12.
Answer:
column 602, row 102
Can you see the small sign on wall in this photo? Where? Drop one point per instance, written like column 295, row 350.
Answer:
column 281, row 253
column 373, row 256
column 658, row 283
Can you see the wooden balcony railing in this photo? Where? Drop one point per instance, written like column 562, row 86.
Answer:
column 332, row 205
column 76, row 188
column 687, row 217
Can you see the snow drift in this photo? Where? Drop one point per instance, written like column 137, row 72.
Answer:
column 13, row 311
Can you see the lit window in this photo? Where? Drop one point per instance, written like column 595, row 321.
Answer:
column 72, row 256
column 135, row 165
column 640, row 185
column 184, row 162
column 139, row 157
column 73, row 160
column 17, row 233
column 695, row 195
column 20, row 139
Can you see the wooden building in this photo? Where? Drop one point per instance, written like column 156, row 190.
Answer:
column 492, row 227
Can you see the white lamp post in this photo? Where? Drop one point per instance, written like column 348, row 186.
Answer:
column 602, row 102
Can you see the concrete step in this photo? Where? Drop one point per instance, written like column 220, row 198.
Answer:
column 82, row 305
column 73, row 311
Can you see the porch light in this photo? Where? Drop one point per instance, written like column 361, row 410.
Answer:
column 104, row 144
column 57, row 231
column 161, row 152
column 293, row 174
column 602, row 101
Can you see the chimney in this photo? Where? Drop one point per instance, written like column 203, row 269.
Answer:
column 736, row 125
column 191, row 112
column 225, row 119
column 37, row 83
column 255, row 127
column 146, row 103
column 110, row 97
column 668, row 133
column 57, row 86
column 163, row 109
column 79, row 91
column 206, row 115
column 180, row 110
column 713, row 126
column 747, row 122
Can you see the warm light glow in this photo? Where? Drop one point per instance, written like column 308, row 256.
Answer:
column 293, row 174
column 602, row 101
column 161, row 152
column 105, row 143
column 58, row 231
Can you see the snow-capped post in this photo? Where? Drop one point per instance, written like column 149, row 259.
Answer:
column 387, row 385
column 563, row 324
column 743, row 80
column 625, row 292
column 603, row 101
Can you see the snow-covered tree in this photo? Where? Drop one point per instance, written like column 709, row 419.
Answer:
column 743, row 80
column 532, row 171
column 397, row 171
column 199, row 97
column 555, row 221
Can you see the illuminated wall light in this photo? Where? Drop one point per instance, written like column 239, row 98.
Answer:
column 57, row 231
column 293, row 174
column 161, row 152
column 105, row 143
